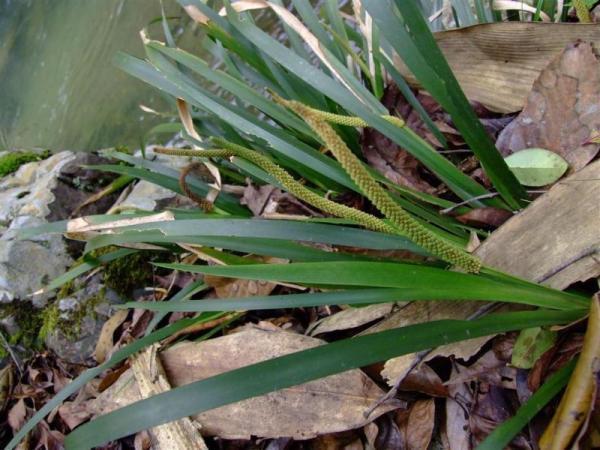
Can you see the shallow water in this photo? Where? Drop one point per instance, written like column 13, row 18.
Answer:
column 58, row 87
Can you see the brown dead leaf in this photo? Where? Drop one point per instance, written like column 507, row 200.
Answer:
column 488, row 217
column 226, row 288
column 6, row 385
column 237, row 288
column 300, row 412
column 73, row 413
column 257, row 197
column 49, row 439
column 17, row 415
column 386, row 433
column 424, row 379
column 421, row 422
column 562, row 110
column 142, row 441
column 418, row 312
column 488, row 364
column 457, row 429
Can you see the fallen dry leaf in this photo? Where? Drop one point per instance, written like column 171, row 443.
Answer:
column 49, row 439
column 73, row 414
column 485, row 217
column 497, row 63
column 238, row 288
column 17, row 415
column 424, row 379
column 421, row 422
column 396, row 369
column 562, row 111
column 300, row 412
column 457, row 429
column 6, row 385
column 350, row 318
column 492, row 406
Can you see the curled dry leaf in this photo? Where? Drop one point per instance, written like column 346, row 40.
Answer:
column 396, row 369
column 491, row 408
column 188, row 123
column 105, row 341
column 237, row 288
column 6, row 385
column 577, row 402
column 424, row 379
column 331, row 404
column 267, row 200
column 562, row 111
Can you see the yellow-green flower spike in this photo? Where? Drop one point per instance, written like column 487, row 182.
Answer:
column 583, row 13
column 287, row 182
column 405, row 223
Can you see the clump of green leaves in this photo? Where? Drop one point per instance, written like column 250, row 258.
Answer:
column 247, row 63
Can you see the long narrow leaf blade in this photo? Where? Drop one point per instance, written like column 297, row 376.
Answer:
column 395, row 275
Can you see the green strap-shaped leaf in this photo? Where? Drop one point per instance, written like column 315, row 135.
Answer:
column 396, row 275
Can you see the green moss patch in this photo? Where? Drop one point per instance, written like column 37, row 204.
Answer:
column 10, row 162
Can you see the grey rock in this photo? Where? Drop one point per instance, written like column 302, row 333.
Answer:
column 28, row 192
column 151, row 197
column 83, row 314
column 25, row 199
column 27, row 265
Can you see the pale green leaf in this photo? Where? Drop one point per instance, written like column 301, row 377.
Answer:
column 530, row 345
column 537, row 166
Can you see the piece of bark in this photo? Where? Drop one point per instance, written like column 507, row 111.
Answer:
column 562, row 111
column 556, row 240
column 150, row 377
